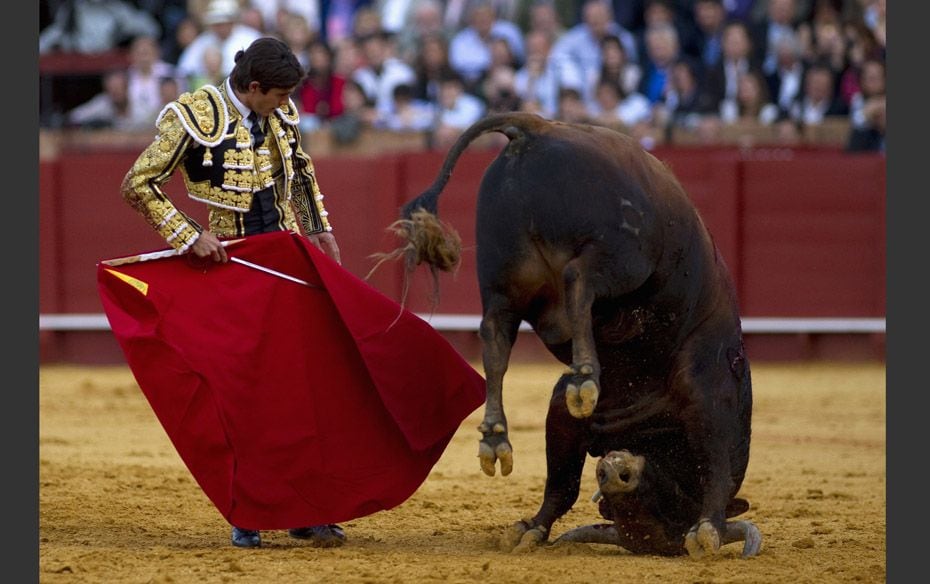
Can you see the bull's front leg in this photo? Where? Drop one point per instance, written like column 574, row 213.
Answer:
column 498, row 333
column 566, row 447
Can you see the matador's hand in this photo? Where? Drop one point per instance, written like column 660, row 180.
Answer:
column 208, row 246
column 326, row 241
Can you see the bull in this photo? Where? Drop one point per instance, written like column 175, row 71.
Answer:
column 595, row 244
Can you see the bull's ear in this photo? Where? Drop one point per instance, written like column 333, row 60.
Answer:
column 737, row 506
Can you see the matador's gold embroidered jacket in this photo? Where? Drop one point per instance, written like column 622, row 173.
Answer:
column 202, row 134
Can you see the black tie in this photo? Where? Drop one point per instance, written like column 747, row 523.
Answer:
column 258, row 136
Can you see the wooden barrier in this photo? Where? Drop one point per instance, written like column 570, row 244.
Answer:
column 802, row 230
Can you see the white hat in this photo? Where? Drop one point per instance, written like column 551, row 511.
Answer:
column 219, row 11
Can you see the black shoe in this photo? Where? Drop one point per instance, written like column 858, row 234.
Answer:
column 320, row 535
column 246, row 538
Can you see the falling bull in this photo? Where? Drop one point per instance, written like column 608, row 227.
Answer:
column 594, row 243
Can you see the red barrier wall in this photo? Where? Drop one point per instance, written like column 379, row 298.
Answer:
column 813, row 236
column 802, row 231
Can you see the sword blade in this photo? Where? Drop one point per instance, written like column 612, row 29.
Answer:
column 270, row 271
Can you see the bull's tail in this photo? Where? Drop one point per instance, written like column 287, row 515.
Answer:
column 425, row 238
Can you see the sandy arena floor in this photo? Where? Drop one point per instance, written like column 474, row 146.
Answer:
column 118, row 505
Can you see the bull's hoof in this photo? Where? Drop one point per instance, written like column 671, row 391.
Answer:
column 619, row 472
column 521, row 537
column 581, row 400
column 702, row 539
column 489, row 455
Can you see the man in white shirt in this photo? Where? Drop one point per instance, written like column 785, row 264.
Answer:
column 577, row 53
column 224, row 31
column 470, row 48
column 382, row 71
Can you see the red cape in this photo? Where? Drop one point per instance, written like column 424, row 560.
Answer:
column 291, row 405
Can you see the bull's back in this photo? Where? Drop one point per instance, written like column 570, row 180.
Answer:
column 558, row 190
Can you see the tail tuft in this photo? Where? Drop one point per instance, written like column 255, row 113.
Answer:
column 425, row 239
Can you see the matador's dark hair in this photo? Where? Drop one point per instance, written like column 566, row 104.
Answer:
column 270, row 62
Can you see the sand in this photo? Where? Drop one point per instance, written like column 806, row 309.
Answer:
column 118, row 505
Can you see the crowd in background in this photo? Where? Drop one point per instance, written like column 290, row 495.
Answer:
column 647, row 67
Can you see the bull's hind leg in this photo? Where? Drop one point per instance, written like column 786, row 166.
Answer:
column 583, row 388
column 498, row 331
column 566, row 448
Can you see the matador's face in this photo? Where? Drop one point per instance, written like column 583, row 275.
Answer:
column 263, row 103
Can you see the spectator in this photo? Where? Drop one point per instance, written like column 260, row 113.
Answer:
column 780, row 21
column 662, row 50
column 382, row 71
column 861, row 46
column 252, row 17
column 107, row 109
column 168, row 90
column 144, row 75
column 616, row 65
column 545, row 18
column 425, row 21
column 870, row 137
column 294, row 30
column 499, row 74
column 96, row 26
column 818, row 101
column 572, row 108
column 367, row 21
column 273, row 12
column 347, row 57
column 409, row 114
column 785, row 82
column 613, row 106
column 537, row 83
column 499, row 91
column 829, row 46
column 709, row 17
column 457, row 110
column 682, row 106
column 871, row 90
column 722, row 81
column 665, row 12
column 186, row 33
column 470, row 48
column 224, row 31
column 430, row 66
column 212, row 69
column 358, row 113
column 320, row 95
column 787, row 131
column 752, row 103
column 577, row 53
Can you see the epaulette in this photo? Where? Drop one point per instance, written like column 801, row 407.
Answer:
column 288, row 113
column 202, row 113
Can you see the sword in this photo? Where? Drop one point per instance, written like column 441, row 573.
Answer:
column 270, row 271
column 156, row 255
